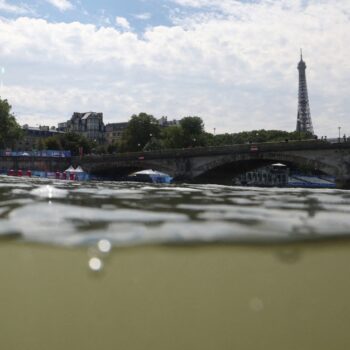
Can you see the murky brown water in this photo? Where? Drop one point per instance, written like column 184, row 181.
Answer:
column 121, row 265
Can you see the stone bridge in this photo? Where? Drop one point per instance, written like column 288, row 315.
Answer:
column 218, row 162
column 207, row 162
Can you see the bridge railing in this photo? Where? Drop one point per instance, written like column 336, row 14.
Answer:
column 311, row 144
column 41, row 154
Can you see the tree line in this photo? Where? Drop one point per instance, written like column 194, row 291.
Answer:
column 143, row 133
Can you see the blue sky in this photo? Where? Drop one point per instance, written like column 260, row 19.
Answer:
column 231, row 62
column 139, row 13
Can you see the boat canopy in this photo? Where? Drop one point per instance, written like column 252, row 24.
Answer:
column 149, row 172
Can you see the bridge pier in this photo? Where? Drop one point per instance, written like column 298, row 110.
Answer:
column 343, row 182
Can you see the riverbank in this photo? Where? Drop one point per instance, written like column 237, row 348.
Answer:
column 292, row 296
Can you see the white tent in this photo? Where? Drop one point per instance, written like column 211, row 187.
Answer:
column 70, row 170
column 79, row 169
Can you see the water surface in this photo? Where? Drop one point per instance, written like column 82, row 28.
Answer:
column 76, row 214
column 122, row 265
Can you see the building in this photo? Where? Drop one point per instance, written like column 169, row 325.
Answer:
column 164, row 122
column 304, row 122
column 91, row 125
column 33, row 137
column 88, row 124
column 114, row 132
column 62, row 126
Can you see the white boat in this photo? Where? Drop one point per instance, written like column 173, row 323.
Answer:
column 152, row 176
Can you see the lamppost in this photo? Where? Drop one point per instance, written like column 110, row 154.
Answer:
column 339, row 127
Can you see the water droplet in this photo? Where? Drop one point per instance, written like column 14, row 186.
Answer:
column 256, row 304
column 49, row 191
column 289, row 255
column 95, row 264
column 104, row 246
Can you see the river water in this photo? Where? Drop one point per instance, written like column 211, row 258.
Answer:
column 122, row 214
column 101, row 265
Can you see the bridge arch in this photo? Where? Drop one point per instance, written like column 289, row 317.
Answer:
column 186, row 164
column 241, row 163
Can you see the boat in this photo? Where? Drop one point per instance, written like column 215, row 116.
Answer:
column 150, row 175
column 279, row 175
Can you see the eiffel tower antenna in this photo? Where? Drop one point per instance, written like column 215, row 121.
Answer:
column 304, row 122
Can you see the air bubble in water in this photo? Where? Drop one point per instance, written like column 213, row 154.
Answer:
column 95, row 264
column 256, row 304
column 104, row 246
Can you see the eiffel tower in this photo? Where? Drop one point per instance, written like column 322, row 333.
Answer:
column 304, row 122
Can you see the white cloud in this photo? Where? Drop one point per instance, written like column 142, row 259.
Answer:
column 62, row 5
column 19, row 10
column 234, row 67
column 143, row 16
column 122, row 23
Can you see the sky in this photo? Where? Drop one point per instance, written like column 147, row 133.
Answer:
column 231, row 62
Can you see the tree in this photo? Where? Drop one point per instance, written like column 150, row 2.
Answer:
column 113, row 148
column 193, row 132
column 256, row 136
column 70, row 142
column 53, row 143
column 173, row 137
column 40, row 144
column 192, row 125
column 10, row 131
column 141, row 128
column 153, row 144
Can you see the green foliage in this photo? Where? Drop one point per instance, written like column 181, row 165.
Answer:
column 10, row 131
column 193, row 132
column 189, row 133
column 40, row 145
column 141, row 128
column 192, row 125
column 173, row 137
column 153, row 144
column 255, row 136
column 53, row 143
column 100, row 149
column 69, row 142
column 72, row 142
column 113, row 148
